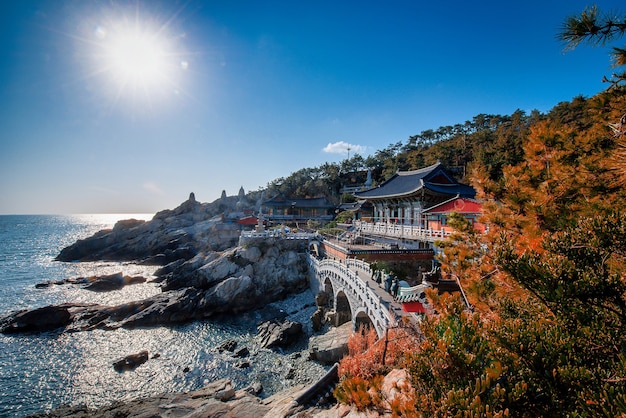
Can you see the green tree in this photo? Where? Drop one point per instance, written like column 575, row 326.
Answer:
column 594, row 28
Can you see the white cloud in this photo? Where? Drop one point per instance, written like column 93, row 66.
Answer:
column 152, row 188
column 341, row 147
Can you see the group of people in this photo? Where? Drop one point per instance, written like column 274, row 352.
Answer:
column 391, row 282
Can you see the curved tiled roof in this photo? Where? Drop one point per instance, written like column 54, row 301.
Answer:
column 317, row 202
column 406, row 183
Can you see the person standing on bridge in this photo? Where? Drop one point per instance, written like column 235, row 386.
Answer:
column 388, row 281
column 394, row 287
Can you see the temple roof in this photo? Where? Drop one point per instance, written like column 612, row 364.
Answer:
column 354, row 206
column 406, row 183
column 317, row 202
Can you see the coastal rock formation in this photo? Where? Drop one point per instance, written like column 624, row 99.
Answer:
column 238, row 280
column 218, row 399
column 330, row 347
column 278, row 334
column 171, row 235
column 98, row 283
column 37, row 320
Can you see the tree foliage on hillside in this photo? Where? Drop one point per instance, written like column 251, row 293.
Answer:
column 547, row 333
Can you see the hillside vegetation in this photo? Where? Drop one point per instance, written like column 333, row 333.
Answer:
column 546, row 335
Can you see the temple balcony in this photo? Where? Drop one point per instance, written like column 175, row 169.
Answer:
column 401, row 231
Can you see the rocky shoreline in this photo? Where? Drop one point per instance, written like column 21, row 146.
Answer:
column 204, row 274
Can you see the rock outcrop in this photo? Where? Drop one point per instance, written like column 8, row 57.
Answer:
column 171, row 235
column 131, row 361
column 98, row 283
column 218, row 399
column 330, row 347
column 278, row 334
column 37, row 320
column 238, row 280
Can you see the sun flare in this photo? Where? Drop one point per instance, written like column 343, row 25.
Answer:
column 137, row 58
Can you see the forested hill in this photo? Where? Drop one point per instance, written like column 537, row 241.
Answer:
column 487, row 143
column 545, row 332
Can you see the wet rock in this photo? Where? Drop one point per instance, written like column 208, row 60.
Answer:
column 131, row 361
column 278, row 334
column 243, row 364
column 242, row 352
column 228, row 345
column 44, row 319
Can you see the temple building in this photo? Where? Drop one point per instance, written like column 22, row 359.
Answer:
column 281, row 209
column 413, row 204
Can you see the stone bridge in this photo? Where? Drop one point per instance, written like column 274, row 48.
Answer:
column 355, row 296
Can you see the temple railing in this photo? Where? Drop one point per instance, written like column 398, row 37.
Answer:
column 401, row 231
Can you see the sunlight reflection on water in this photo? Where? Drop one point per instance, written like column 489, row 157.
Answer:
column 40, row 372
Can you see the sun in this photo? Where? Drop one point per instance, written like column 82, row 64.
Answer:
column 136, row 57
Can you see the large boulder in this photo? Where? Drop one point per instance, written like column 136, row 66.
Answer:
column 332, row 346
column 278, row 334
column 37, row 320
column 396, row 386
column 131, row 361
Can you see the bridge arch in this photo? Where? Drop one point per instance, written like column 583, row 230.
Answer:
column 329, row 290
column 352, row 297
column 362, row 319
column 343, row 310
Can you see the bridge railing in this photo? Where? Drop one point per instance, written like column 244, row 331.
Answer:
column 377, row 309
column 359, row 264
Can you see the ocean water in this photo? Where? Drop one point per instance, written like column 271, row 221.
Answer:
column 41, row 371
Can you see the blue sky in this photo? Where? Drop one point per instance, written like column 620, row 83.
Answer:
column 224, row 94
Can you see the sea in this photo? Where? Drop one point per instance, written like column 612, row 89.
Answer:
column 41, row 371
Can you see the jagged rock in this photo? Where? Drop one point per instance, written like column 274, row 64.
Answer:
column 255, row 388
column 317, row 319
column 396, row 385
column 104, row 283
column 321, row 299
column 330, row 347
column 218, row 399
column 242, row 364
column 278, row 334
column 170, row 235
column 131, row 361
column 37, row 320
column 228, row 345
column 113, row 282
column 242, row 352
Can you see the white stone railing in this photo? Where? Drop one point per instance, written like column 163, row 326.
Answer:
column 358, row 290
column 359, row 265
column 276, row 233
column 402, row 231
